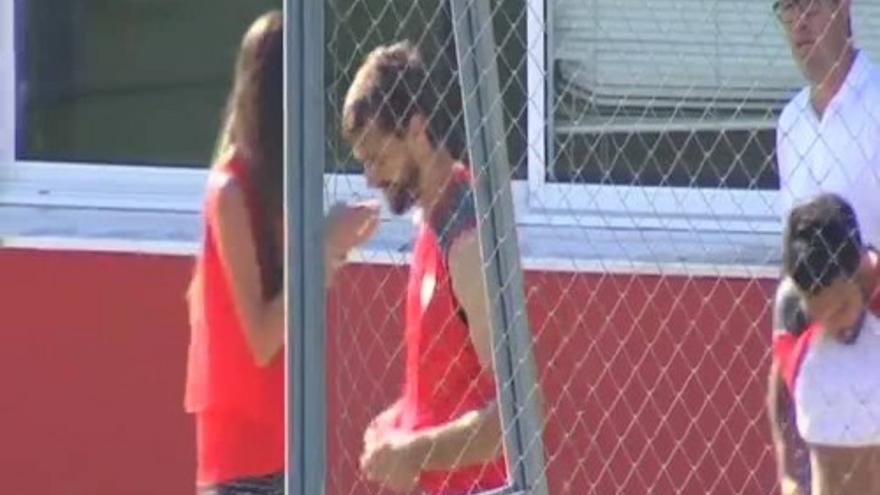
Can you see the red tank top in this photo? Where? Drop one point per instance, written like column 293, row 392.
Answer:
column 239, row 405
column 444, row 378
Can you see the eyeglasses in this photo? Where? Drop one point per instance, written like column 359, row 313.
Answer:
column 789, row 11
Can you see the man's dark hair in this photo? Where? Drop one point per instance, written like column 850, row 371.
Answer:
column 390, row 88
column 822, row 243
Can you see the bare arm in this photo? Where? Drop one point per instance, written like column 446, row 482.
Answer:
column 476, row 436
column 262, row 321
column 787, row 443
column 347, row 226
column 473, row 438
column 792, row 456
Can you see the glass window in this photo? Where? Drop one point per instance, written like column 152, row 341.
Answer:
column 672, row 92
column 125, row 81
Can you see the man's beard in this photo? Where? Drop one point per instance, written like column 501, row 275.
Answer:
column 403, row 195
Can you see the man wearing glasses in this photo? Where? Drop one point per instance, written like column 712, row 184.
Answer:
column 827, row 140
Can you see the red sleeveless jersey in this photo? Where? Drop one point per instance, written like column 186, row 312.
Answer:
column 444, row 378
column 239, row 405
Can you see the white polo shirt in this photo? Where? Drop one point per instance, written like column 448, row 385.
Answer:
column 839, row 153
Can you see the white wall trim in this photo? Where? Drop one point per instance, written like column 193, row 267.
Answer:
column 121, row 246
column 83, row 185
column 675, row 208
column 146, row 188
column 384, row 257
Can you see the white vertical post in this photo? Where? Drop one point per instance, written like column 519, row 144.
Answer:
column 7, row 85
column 536, row 98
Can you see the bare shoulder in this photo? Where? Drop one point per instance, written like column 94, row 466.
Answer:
column 223, row 188
column 464, row 254
column 225, row 193
column 225, row 206
column 466, row 272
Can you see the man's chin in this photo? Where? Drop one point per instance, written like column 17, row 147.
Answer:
column 400, row 204
column 400, row 209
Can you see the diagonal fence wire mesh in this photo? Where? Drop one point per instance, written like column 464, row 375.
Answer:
column 641, row 141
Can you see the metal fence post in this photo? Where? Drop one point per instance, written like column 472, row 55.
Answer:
column 304, row 260
column 518, row 392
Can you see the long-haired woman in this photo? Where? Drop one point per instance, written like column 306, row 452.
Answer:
column 235, row 380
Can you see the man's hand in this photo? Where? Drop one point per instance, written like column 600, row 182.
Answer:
column 347, row 226
column 391, row 460
column 789, row 486
column 380, row 426
column 350, row 225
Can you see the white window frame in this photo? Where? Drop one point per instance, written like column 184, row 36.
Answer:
column 7, row 89
column 537, row 201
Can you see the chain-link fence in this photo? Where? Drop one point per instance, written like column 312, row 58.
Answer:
column 639, row 142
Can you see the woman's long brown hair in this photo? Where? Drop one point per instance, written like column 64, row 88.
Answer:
column 253, row 129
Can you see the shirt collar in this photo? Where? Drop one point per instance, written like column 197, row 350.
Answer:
column 853, row 85
column 857, row 76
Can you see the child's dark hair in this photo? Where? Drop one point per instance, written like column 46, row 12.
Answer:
column 822, row 243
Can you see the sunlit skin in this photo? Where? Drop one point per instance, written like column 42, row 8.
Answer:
column 839, row 308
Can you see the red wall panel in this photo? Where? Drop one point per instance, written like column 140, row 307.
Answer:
column 91, row 360
column 650, row 383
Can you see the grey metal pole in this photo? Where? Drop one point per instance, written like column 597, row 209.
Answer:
column 518, row 392
column 304, row 259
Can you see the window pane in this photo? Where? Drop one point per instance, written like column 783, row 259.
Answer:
column 672, row 92
column 126, row 81
column 730, row 159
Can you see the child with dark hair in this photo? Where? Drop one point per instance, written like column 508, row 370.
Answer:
column 827, row 349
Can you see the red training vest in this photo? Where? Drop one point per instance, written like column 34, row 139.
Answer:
column 444, row 378
column 239, row 406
